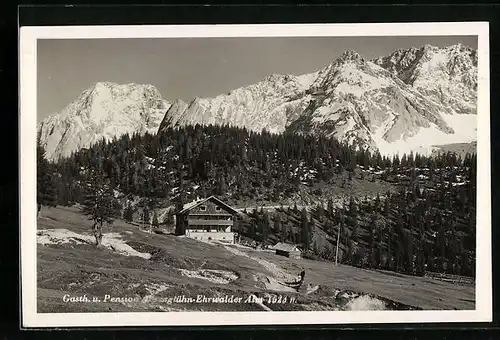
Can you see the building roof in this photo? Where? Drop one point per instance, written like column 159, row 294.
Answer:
column 285, row 247
column 189, row 205
column 193, row 204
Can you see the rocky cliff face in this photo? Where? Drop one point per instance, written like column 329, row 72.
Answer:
column 447, row 76
column 270, row 104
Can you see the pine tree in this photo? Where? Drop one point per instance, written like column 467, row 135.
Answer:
column 145, row 216
column 98, row 203
column 155, row 222
column 221, row 185
column 278, row 226
column 306, row 236
column 331, row 206
column 266, row 226
column 169, row 218
column 46, row 190
column 409, row 253
column 128, row 213
column 377, row 203
column 373, row 240
column 180, row 200
column 320, row 213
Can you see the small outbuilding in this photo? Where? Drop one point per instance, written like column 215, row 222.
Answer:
column 288, row 250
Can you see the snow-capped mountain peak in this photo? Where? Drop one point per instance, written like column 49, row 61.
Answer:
column 104, row 110
column 447, row 76
column 350, row 56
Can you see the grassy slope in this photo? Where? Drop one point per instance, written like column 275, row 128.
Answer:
column 61, row 265
column 84, row 269
column 410, row 290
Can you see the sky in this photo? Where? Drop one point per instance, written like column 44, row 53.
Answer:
column 184, row 68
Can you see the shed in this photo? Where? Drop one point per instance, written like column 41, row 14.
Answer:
column 288, row 250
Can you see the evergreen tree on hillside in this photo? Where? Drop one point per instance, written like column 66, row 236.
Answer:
column 145, row 216
column 306, row 229
column 221, row 185
column 169, row 218
column 180, row 200
column 98, row 203
column 266, row 226
column 46, row 190
column 373, row 241
column 278, row 227
column 128, row 213
column 331, row 206
column 409, row 265
column 155, row 222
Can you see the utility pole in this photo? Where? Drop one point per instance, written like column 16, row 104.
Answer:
column 337, row 250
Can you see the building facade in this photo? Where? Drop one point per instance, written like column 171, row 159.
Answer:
column 208, row 219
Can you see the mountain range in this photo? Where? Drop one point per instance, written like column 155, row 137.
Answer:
column 406, row 101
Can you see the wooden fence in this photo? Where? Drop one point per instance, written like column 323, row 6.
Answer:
column 450, row 278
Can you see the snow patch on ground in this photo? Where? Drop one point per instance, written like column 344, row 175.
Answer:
column 215, row 276
column 365, row 303
column 111, row 241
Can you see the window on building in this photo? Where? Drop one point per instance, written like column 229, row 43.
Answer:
column 218, row 208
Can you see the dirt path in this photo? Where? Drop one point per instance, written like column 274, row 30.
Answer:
column 274, row 282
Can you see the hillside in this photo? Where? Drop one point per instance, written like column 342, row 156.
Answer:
column 150, row 269
column 429, row 228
